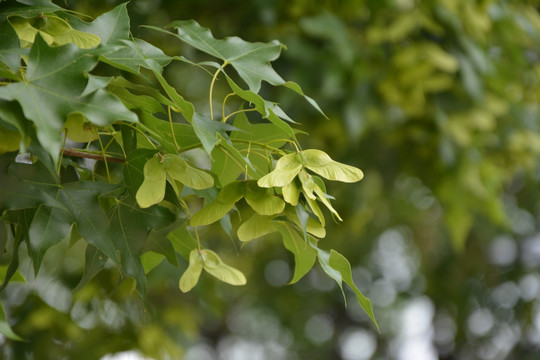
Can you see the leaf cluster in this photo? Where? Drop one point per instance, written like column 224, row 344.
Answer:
column 99, row 148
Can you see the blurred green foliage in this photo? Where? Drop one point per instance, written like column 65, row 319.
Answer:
column 437, row 101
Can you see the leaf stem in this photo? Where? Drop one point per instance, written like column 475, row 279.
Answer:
column 172, row 130
column 236, row 112
column 223, row 106
column 214, row 78
column 61, row 154
column 105, row 159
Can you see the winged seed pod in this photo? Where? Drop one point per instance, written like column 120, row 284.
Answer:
column 317, row 161
column 292, row 165
column 157, row 172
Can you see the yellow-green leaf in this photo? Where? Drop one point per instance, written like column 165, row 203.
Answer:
column 262, row 201
column 255, row 227
column 190, row 277
column 9, row 140
column 232, row 192
column 316, row 210
column 62, row 33
column 286, row 169
column 152, row 190
column 54, row 30
column 215, row 267
column 319, row 162
column 310, row 186
column 211, row 213
column 150, row 260
column 291, row 193
column 79, row 129
column 178, row 169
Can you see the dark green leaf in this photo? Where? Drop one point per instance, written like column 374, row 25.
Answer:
column 94, row 261
column 136, row 54
column 55, row 80
column 49, row 227
column 10, row 52
column 207, row 131
column 82, row 200
column 182, row 241
column 250, row 60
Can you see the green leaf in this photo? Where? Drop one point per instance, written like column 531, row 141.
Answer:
column 110, row 27
column 94, row 261
column 144, row 102
column 11, row 113
column 261, row 200
column 150, row 260
column 49, row 227
column 18, row 188
column 55, row 79
column 95, row 83
column 133, row 169
column 10, row 52
column 130, row 227
column 180, row 170
column 232, row 192
column 159, row 242
column 224, row 202
column 38, row 7
column 135, row 54
column 319, row 162
column 267, row 109
column 181, row 105
column 5, row 329
column 215, row 267
column 17, row 277
column 250, row 60
column 190, row 277
column 312, row 226
column 255, row 227
column 23, row 218
column 341, row 264
column 182, row 241
column 296, row 88
column 207, row 130
column 304, row 255
column 152, row 190
column 82, row 200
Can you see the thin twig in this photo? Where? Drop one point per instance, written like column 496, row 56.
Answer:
column 76, row 153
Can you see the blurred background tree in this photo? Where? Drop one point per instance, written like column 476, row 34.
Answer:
column 437, row 101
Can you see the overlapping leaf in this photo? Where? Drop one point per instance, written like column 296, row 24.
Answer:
column 160, row 169
column 55, row 79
